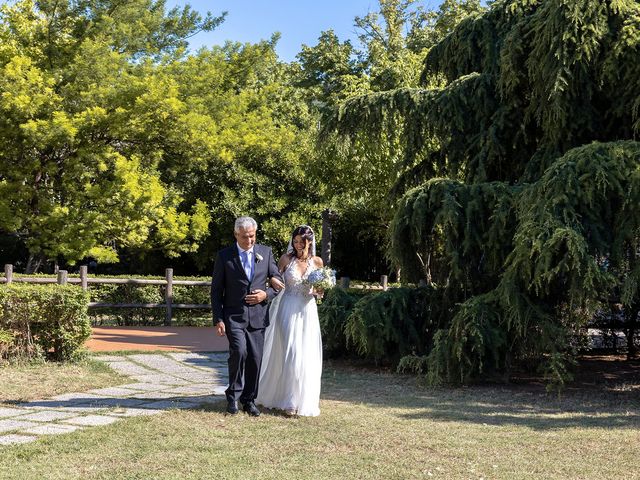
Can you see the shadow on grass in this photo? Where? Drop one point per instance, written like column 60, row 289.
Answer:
column 530, row 406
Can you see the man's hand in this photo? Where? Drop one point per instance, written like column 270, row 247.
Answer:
column 255, row 297
column 220, row 329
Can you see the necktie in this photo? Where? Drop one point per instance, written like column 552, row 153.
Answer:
column 246, row 264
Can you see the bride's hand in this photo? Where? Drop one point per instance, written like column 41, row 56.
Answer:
column 318, row 292
column 276, row 284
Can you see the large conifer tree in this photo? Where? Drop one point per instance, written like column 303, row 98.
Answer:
column 526, row 179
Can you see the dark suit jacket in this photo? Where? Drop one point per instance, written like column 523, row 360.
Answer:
column 230, row 285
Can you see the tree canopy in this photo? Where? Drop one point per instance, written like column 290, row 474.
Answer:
column 497, row 146
column 86, row 121
column 114, row 140
column 521, row 177
column 392, row 44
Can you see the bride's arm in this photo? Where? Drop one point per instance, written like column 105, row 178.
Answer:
column 318, row 292
column 276, row 284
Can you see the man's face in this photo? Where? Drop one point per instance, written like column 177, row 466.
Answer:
column 246, row 237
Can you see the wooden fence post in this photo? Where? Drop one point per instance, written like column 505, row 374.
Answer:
column 8, row 273
column 83, row 278
column 344, row 282
column 384, row 281
column 62, row 277
column 169, row 295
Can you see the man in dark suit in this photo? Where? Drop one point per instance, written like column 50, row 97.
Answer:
column 239, row 298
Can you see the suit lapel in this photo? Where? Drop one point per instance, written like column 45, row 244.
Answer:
column 257, row 264
column 238, row 263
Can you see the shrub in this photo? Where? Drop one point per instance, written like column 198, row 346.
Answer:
column 6, row 343
column 381, row 325
column 333, row 312
column 122, row 293
column 388, row 325
column 43, row 318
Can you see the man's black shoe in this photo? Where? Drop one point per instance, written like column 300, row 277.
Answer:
column 251, row 409
column 232, row 407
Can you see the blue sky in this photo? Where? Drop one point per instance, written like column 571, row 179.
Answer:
column 298, row 21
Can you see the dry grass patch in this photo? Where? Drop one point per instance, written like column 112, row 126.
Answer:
column 39, row 380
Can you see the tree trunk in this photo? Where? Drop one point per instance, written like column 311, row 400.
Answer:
column 630, row 332
column 328, row 217
column 631, row 347
column 34, row 263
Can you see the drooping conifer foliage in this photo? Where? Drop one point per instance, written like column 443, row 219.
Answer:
column 525, row 174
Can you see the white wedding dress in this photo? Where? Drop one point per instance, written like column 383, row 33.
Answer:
column 292, row 358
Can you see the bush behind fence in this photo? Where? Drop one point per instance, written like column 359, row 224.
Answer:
column 127, row 294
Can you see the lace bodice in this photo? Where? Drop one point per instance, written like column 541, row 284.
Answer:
column 294, row 282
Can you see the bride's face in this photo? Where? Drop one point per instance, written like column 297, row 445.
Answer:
column 300, row 245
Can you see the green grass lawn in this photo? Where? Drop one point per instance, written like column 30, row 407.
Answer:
column 372, row 426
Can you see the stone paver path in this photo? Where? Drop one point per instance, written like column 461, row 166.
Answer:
column 173, row 380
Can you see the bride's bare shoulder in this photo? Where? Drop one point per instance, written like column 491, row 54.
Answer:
column 318, row 261
column 283, row 262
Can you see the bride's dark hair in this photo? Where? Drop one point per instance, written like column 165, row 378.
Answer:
column 305, row 232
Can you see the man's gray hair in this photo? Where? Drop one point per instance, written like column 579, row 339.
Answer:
column 243, row 223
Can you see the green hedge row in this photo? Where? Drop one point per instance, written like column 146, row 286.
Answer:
column 114, row 293
column 42, row 320
column 383, row 326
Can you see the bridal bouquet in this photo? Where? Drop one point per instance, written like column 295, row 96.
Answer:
column 321, row 279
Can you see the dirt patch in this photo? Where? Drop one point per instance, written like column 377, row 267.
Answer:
column 184, row 339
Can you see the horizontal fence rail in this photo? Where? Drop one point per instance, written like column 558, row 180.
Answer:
column 84, row 281
column 149, row 305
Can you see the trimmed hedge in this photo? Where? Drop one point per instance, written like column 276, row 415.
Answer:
column 116, row 293
column 48, row 320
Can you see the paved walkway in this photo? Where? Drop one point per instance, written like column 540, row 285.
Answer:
column 162, row 381
column 190, row 339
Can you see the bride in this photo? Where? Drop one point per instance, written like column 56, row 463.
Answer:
column 292, row 358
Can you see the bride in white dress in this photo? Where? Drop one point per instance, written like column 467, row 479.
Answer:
column 292, row 358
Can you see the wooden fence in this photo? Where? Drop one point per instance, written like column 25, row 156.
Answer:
column 168, row 282
column 84, row 281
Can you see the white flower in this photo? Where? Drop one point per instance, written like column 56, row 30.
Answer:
column 258, row 258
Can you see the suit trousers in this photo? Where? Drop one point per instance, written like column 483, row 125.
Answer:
column 245, row 358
